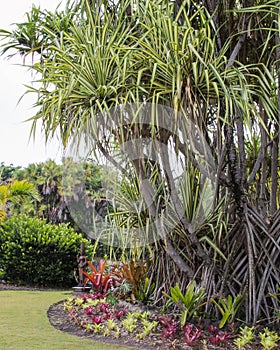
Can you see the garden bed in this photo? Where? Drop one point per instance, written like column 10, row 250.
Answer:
column 62, row 319
column 59, row 319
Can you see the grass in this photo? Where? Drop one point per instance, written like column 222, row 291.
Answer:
column 24, row 324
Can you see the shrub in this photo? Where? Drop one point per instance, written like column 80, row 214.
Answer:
column 35, row 253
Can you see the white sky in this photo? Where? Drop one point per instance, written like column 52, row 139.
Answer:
column 15, row 147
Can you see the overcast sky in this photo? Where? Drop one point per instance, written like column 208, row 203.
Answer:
column 15, row 147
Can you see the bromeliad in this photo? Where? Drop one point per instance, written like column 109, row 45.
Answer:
column 99, row 282
column 191, row 334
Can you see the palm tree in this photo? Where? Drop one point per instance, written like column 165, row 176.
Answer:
column 188, row 61
column 15, row 194
column 7, row 171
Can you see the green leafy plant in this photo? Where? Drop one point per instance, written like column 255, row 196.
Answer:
column 68, row 304
column 35, row 253
column 106, row 332
column 123, row 289
column 269, row 339
column 16, row 193
column 92, row 302
column 111, row 325
column 148, row 327
column 145, row 291
column 79, row 301
column 144, row 315
column 89, row 327
column 228, row 307
column 118, row 333
column 111, row 297
column 245, row 337
column 98, row 328
column 130, row 323
column 190, row 302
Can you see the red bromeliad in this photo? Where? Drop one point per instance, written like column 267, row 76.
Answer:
column 94, row 296
column 170, row 327
column 97, row 319
column 120, row 314
column 89, row 311
column 219, row 338
column 213, row 330
column 191, row 335
column 99, row 282
column 104, row 307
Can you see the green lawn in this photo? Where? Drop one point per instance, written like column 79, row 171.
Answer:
column 24, row 324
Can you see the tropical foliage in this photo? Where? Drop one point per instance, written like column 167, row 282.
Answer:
column 14, row 194
column 7, row 171
column 210, row 70
column 54, row 181
column 35, row 253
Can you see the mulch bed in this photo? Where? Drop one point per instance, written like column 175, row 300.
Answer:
column 59, row 319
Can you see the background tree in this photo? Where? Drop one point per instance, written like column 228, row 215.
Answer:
column 50, row 180
column 14, row 194
column 7, row 172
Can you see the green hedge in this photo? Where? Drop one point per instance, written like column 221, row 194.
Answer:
column 35, row 253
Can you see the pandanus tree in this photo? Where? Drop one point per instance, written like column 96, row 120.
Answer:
column 192, row 81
